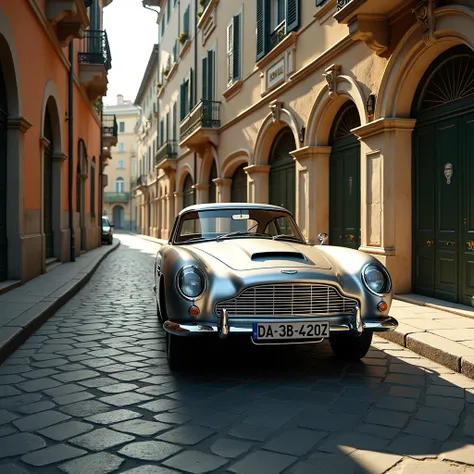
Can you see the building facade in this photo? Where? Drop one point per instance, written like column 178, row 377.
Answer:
column 54, row 59
column 146, row 130
column 122, row 166
column 356, row 115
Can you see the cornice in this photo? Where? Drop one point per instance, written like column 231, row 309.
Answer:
column 20, row 123
column 384, row 125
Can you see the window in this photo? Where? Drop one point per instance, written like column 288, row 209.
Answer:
column 267, row 36
column 233, row 49
column 134, row 167
column 121, row 164
column 175, row 121
column 119, row 185
column 92, row 178
column 162, row 132
column 167, row 125
column 121, row 127
column 121, row 146
column 208, row 78
column 186, row 95
column 186, row 22
column 175, row 51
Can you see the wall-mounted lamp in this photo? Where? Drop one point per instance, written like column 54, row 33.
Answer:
column 370, row 105
column 302, row 133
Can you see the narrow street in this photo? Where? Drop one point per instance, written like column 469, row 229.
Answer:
column 90, row 392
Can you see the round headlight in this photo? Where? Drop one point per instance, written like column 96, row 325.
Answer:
column 191, row 282
column 376, row 279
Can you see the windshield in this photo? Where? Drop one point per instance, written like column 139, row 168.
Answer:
column 105, row 222
column 236, row 223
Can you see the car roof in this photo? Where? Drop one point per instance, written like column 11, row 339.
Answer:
column 232, row 205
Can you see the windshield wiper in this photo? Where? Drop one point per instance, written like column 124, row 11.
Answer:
column 195, row 239
column 242, row 232
column 289, row 237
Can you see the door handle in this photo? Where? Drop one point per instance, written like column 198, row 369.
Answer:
column 450, row 243
column 430, row 243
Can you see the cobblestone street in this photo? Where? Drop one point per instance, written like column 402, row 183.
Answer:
column 90, row 392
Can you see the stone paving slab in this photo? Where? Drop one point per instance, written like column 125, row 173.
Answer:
column 25, row 308
column 440, row 332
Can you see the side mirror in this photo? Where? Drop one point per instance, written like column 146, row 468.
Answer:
column 112, row 225
column 323, row 238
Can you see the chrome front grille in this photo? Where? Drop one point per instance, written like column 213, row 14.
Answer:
column 294, row 299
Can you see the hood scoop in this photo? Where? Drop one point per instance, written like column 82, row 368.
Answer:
column 281, row 255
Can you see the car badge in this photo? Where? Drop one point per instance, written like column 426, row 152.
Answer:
column 289, row 272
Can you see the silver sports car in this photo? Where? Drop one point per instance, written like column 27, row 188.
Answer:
column 246, row 269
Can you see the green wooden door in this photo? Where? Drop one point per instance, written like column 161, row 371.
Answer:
column 282, row 185
column 3, row 177
column 188, row 192
column 212, row 185
column 443, row 173
column 344, row 180
column 48, row 188
column 238, row 190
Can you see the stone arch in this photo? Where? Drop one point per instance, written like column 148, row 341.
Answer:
column 11, row 68
column 51, row 104
column 413, row 56
column 234, row 160
column 269, row 130
column 208, row 157
column 327, row 106
column 185, row 170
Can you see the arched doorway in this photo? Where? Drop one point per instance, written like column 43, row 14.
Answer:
column 118, row 214
column 81, row 174
column 188, row 192
column 48, row 186
column 3, row 177
column 212, row 185
column 238, row 191
column 282, row 182
column 443, row 177
column 344, row 179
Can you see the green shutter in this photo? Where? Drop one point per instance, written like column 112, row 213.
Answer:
column 162, row 132
column 175, row 122
column 236, row 48
column 186, row 22
column 182, row 99
column 204, row 79
column 190, row 90
column 319, row 2
column 210, row 75
column 167, row 127
column 260, row 29
column 230, row 52
column 292, row 15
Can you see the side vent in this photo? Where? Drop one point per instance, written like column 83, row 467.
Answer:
column 278, row 255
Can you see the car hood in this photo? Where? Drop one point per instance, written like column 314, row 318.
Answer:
column 249, row 254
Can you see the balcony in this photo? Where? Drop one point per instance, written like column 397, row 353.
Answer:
column 278, row 34
column 370, row 21
column 142, row 182
column 94, row 63
column 117, row 197
column 201, row 126
column 109, row 130
column 69, row 18
column 166, row 155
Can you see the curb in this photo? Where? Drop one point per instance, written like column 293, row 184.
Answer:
column 450, row 354
column 22, row 334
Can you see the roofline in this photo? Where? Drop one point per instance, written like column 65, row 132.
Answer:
column 147, row 76
column 232, row 205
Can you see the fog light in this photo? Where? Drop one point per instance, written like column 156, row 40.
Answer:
column 194, row 311
column 382, row 306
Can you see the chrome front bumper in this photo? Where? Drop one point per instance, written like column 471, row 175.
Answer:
column 226, row 325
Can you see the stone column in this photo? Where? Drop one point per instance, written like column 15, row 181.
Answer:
column 223, row 189
column 386, row 182
column 202, row 192
column 257, row 183
column 166, row 218
column 312, row 195
column 178, row 202
column 44, row 143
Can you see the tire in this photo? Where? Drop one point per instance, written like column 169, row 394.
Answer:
column 158, row 312
column 176, row 352
column 351, row 348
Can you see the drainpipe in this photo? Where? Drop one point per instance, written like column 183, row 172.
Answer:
column 195, row 85
column 72, row 239
column 101, row 176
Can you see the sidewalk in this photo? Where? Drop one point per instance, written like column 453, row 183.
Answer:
column 26, row 308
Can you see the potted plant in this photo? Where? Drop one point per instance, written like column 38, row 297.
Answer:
column 165, row 71
column 183, row 37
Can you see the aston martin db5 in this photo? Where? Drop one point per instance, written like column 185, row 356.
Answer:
column 239, row 269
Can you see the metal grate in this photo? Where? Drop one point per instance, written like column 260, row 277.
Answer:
column 296, row 299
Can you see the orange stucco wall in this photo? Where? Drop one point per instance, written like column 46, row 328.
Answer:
column 39, row 62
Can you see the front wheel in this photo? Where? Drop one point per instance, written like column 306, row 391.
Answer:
column 351, row 348
column 176, row 351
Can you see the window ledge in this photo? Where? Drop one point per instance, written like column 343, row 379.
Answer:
column 161, row 91
column 277, row 50
column 172, row 71
column 233, row 90
column 185, row 48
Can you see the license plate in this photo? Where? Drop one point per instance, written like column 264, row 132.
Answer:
column 268, row 331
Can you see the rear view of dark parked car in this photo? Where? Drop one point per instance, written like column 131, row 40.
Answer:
column 107, row 231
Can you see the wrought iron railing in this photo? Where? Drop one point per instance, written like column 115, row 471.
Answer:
column 141, row 180
column 278, row 34
column 116, row 197
column 205, row 114
column 95, row 49
column 109, row 126
column 169, row 149
column 341, row 4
